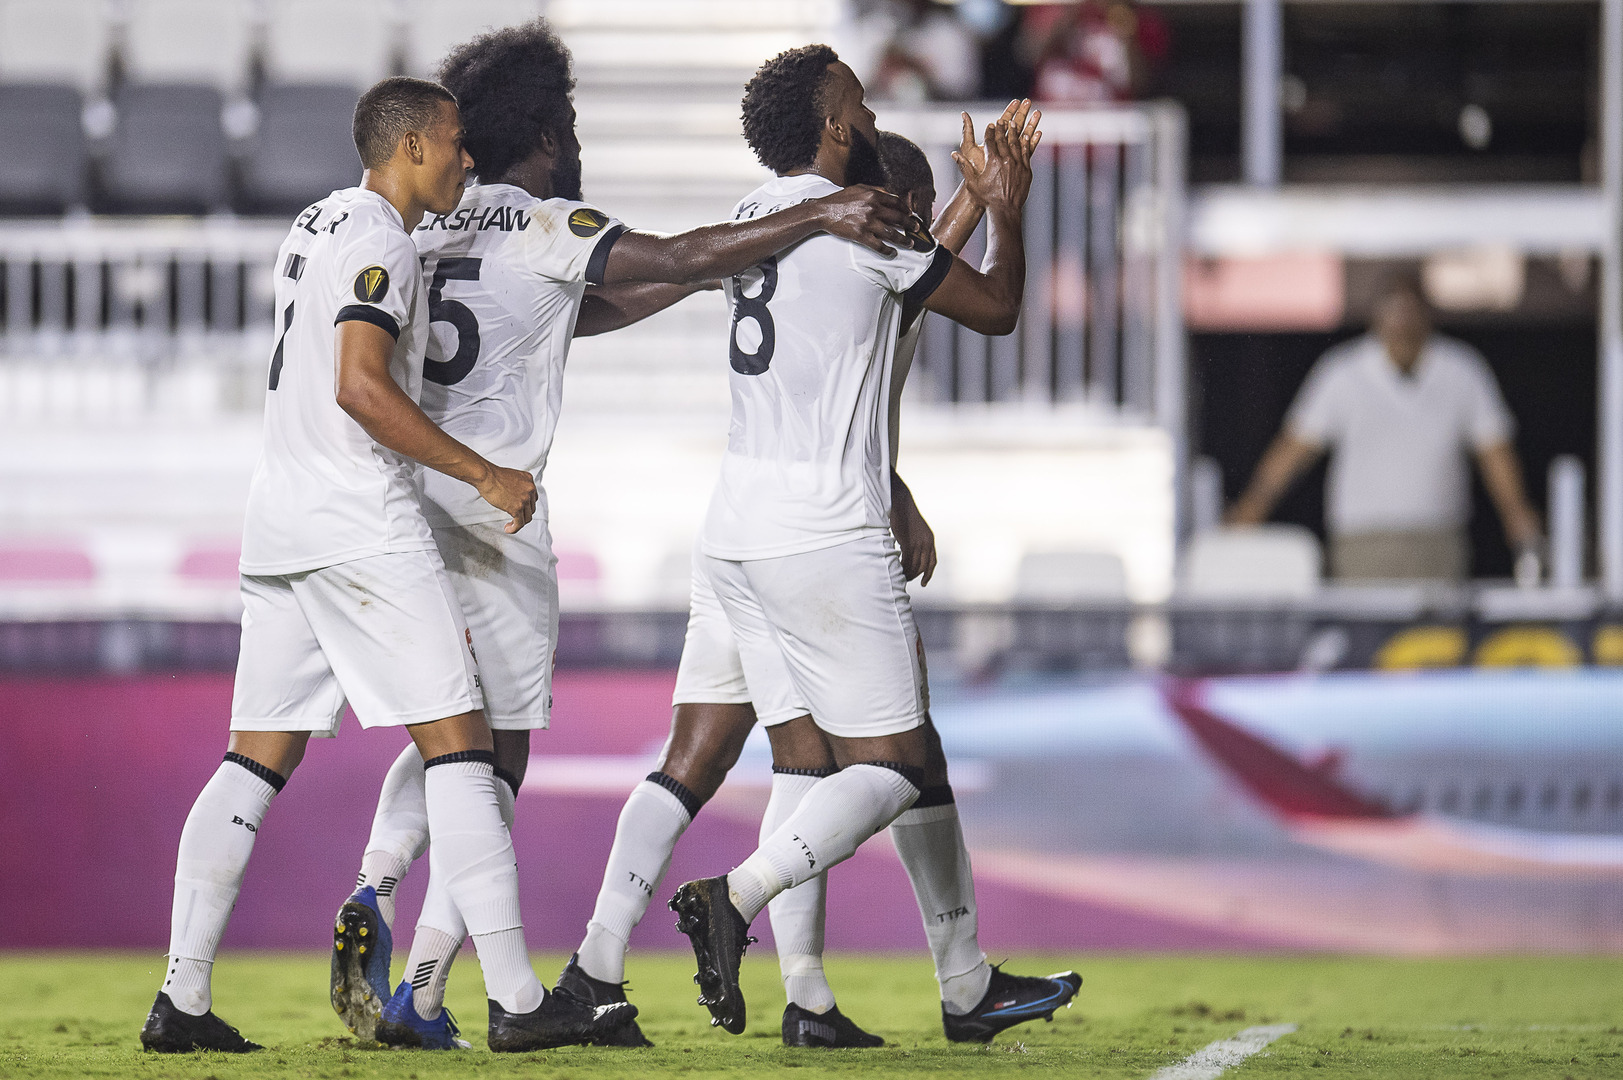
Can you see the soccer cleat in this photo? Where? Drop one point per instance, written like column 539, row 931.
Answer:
column 705, row 913
column 170, row 1031
column 582, row 987
column 833, row 1030
column 361, row 948
column 1011, row 1000
column 401, row 1026
column 560, row 1020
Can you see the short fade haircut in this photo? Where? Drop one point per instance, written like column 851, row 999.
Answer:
column 906, row 167
column 390, row 109
column 786, row 106
column 514, row 86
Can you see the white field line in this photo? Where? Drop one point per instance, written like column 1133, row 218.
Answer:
column 1209, row 1062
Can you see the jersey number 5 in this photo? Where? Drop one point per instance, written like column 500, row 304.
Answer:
column 754, row 307
column 452, row 371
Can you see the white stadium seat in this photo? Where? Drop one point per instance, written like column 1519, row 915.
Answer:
column 1071, row 576
column 329, row 41
column 433, row 27
column 54, row 41
column 1263, row 562
column 189, row 41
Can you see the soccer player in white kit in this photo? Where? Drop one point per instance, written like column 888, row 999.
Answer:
column 344, row 595
column 506, row 272
column 714, row 711
column 796, row 541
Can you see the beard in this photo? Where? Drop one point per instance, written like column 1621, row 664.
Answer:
column 566, row 177
column 864, row 166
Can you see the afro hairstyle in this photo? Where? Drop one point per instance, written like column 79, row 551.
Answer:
column 906, row 167
column 785, row 107
column 514, row 86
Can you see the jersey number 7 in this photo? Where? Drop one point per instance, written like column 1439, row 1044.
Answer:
column 452, row 371
column 754, row 307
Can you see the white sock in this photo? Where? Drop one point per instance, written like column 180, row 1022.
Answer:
column 798, row 913
column 930, row 841
column 653, row 820
column 834, row 818
column 399, row 830
column 429, row 966
column 440, row 932
column 472, row 854
column 214, row 848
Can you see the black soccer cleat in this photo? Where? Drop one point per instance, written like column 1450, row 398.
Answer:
column 832, row 1030
column 170, row 1031
column 705, row 913
column 594, row 992
column 560, row 1020
column 1011, row 1000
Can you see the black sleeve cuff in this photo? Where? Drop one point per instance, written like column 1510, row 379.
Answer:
column 920, row 290
column 367, row 313
column 599, row 262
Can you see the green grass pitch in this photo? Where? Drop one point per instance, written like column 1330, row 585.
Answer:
column 77, row 1014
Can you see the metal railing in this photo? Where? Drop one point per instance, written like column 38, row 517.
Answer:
column 143, row 289
column 1102, row 322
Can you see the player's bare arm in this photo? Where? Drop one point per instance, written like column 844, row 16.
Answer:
column 369, row 394
column 612, row 307
column 913, row 534
column 988, row 300
column 867, row 215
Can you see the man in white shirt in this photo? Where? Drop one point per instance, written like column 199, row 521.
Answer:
column 796, row 543
column 508, row 269
column 345, row 598
column 1400, row 409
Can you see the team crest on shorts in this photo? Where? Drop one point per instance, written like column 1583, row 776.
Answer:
column 371, row 284
column 586, row 222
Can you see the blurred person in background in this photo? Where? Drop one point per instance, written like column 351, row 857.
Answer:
column 916, row 50
column 1400, row 407
column 1092, row 53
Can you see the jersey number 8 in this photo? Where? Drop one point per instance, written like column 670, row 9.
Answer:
column 754, row 307
column 452, row 371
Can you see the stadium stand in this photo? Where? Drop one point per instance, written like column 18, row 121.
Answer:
column 43, row 168
column 62, row 42
column 301, row 48
column 168, row 153
column 302, row 149
column 189, row 41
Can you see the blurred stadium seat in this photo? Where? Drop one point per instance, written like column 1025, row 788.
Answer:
column 168, row 153
column 211, row 562
column 42, row 170
column 302, row 47
column 55, row 41
column 302, row 150
column 1071, row 576
column 1264, row 562
column 188, row 41
column 433, row 26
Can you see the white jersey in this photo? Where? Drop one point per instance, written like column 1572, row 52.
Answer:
column 813, row 334
column 506, row 272
column 324, row 492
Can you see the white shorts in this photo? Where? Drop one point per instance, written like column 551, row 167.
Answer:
column 384, row 633
column 507, row 584
column 838, row 622
column 711, row 672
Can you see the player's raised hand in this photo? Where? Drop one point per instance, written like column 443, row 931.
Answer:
column 511, row 491
column 871, row 216
column 1006, row 180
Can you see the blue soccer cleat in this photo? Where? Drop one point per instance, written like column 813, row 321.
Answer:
column 361, row 949
column 1011, row 1000
column 401, row 1026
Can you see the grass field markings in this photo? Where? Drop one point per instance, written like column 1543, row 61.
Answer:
column 1209, row 1062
